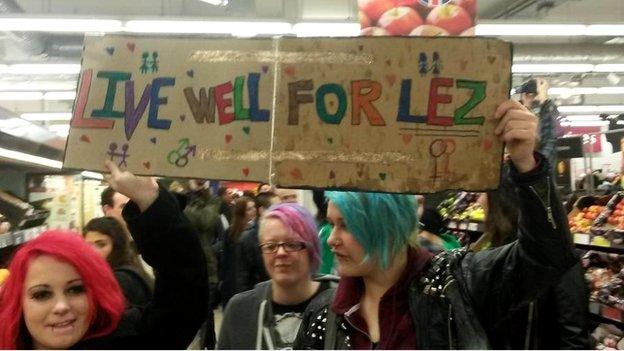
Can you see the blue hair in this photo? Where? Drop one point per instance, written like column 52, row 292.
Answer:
column 381, row 223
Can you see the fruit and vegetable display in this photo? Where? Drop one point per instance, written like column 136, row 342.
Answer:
column 604, row 274
column 608, row 337
column 605, row 224
column 417, row 17
column 462, row 206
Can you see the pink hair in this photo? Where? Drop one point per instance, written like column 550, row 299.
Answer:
column 106, row 301
column 300, row 222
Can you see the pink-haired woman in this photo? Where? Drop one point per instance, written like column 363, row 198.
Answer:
column 61, row 294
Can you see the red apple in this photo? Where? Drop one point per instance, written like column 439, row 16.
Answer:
column 470, row 32
column 400, row 20
column 374, row 32
column 364, row 20
column 450, row 17
column 468, row 5
column 375, row 8
column 427, row 30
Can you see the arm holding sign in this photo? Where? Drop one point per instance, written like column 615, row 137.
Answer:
column 170, row 245
column 518, row 272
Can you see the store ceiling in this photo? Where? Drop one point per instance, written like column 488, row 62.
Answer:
column 49, row 47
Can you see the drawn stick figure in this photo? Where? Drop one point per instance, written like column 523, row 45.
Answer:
column 422, row 64
column 123, row 155
column 144, row 68
column 154, row 61
column 436, row 65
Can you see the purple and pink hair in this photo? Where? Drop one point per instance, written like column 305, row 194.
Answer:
column 301, row 223
column 106, row 301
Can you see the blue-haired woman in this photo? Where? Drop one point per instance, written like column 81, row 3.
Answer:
column 394, row 295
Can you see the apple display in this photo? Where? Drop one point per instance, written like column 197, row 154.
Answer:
column 364, row 20
column 375, row 8
column 400, row 20
column 374, row 32
column 427, row 30
column 468, row 5
column 453, row 18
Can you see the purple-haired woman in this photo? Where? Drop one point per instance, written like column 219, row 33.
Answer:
column 268, row 317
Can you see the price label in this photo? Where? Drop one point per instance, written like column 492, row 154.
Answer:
column 582, row 239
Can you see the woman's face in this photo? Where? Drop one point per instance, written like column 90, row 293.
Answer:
column 102, row 243
column 250, row 212
column 347, row 250
column 55, row 304
column 284, row 267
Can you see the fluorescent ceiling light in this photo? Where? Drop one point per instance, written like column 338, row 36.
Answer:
column 530, row 29
column 326, row 29
column 68, row 25
column 28, row 158
column 89, row 174
column 609, row 68
column 207, row 27
column 43, row 68
column 586, row 91
column 582, row 118
column 37, row 86
column 552, row 68
column 585, row 124
column 607, row 30
column 60, row 95
column 59, row 129
column 591, row 109
column 47, row 116
column 21, row 95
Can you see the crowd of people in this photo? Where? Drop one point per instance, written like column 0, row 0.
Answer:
column 150, row 273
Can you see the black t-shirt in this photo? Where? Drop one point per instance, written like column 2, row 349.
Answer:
column 288, row 319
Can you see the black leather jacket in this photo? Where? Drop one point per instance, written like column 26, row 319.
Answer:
column 463, row 292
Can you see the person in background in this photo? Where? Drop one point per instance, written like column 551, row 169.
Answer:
column 287, row 195
column 231, row 274
column 534, row 96
column 324, row 229
column 227, row 199
column 264, row 188
column 268, row 316
column 253, row 269
column 433, row 236
column 109, row 238
column 62, row 294
column 392, row 295
column 113, row 203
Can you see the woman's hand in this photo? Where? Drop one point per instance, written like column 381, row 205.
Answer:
column 142, row 190
column 517, row 127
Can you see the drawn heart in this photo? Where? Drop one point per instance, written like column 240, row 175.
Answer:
column 265, row 69
column 388, row 62
column 296, row 173
column 85, row 138
column 182, row 118
column 290, row 70
column 190, row 73
column 228, row 138
column 246, row 171
column 382, row 176
column 407, row 138
column 332, row 175
column 487, row 144
column 491, row 59
column 463, row 64
column 330, row 140
column 153, row 140
column 110, row 50
column 246, row 130
column 360, row 47
column 147, row 165
column 391, row 78
column 131, row 46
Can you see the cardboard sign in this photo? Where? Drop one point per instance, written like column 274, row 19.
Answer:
column 380, row 114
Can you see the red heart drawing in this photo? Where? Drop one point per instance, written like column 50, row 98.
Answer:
column 391, row 78
column 407, row 138
column 388, row 62
column 246, row 171
column 228, row 138
column 147, row 165
column 85, row 138
column 131, row 46
column 332, row 175
column 296, row 173
column 486, row 144
column 290, row 70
